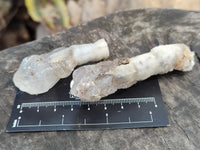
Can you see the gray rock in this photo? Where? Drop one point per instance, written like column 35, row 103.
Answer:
column 128, row 34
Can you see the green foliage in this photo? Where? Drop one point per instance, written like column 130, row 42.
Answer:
column 52, row 14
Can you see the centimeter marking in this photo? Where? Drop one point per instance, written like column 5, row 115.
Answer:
column 108, row 101
column 16, row 122
column 103, row 102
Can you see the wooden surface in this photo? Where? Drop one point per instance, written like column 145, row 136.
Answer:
column 127, row 33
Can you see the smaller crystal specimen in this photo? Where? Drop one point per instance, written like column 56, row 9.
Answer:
column 38, row 73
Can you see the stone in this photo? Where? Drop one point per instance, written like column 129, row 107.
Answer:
column 86, row 10
column 92, row 82
column 74, row 12
column 91, row 9
column 38, row 73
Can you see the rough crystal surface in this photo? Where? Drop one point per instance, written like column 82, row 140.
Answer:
column 38, row 73
column 91, row 83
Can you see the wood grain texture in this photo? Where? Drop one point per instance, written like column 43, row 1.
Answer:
column 128, row 34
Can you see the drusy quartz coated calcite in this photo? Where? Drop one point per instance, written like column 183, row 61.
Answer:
column 92, row 82
column 38, row 73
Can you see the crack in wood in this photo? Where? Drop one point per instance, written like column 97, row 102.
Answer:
column 168, row 147
column 182, row 129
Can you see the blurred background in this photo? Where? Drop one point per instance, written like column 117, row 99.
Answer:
column 26, row 20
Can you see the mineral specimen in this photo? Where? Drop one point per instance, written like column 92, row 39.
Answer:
column 38, row 73
column 92, row 82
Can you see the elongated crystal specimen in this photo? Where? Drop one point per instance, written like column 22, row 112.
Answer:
column 38, row 73
column 92, row 82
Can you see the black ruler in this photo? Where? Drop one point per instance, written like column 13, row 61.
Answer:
column 138, row 106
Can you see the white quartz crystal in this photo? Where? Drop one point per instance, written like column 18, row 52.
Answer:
column 92, row 82
column 38, row 73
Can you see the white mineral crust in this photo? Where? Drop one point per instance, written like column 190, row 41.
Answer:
column 38, row 73
column 92, row 82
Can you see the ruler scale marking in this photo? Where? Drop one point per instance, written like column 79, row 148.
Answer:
column 56, row 110
column 60, row 103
